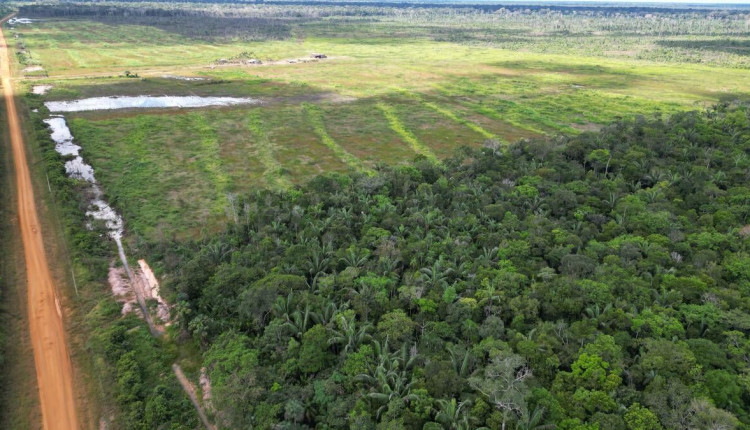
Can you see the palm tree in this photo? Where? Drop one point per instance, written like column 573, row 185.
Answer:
column 363, row 298
column 534, row 203
column 611, row 200
column 356, row 257
column 739, row 159
column 453, row 415
column 349, row 335
column 490, row 292
column 534, row 420
column 459, row 361
column 387, row 385
column 388, row 265
column 437, row 275
column 399, row 361
column 283, row 307
column 597, row 313
column 299, row 322
column 329, row 313
column 277, row 226
column 317, row 265
column 217, row 252
column 653, row 195
column 488, row 256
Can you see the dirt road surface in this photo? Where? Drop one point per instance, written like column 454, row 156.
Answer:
column 54, row 371
column 189, row 389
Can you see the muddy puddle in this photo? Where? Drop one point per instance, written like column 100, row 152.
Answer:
column 14, row 21
column 98, row 209
column 145, row 102
column 40, row 89
column 75, row 167
column 133, row 287
column 184, row 78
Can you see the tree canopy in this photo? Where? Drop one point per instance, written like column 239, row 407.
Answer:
column 595, row 281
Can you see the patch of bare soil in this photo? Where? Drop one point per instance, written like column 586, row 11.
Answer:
column 189, row 389
column 145, row 285
column 40, row 89
column 31, row 69
column 122, row 290
column 205, row 384
column 151, row 291
column 314, row 58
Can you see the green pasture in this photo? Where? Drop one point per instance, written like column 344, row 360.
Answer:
column 378, row 98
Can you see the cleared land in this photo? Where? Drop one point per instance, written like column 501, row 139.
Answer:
column 387, row 92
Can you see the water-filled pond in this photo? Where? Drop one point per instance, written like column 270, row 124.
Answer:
column 145, row 102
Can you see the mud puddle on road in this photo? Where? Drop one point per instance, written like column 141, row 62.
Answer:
column 145, row 102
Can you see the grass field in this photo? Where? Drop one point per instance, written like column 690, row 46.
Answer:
column 380, row 97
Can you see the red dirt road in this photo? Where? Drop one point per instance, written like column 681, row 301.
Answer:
column 54, row 372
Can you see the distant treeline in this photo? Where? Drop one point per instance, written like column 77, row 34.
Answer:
column 188, row 21
column 653, row 34
column 608, row 9
column 601, row 8
column 275, row 20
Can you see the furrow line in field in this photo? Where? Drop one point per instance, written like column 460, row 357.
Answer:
column 315, row 116
column 274, row 174
column 211, row 161
column 450, row 115
column 398, row 127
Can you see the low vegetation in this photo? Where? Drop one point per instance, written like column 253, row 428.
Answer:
column 481, row 73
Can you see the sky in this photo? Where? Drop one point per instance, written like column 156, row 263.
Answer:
column 618, row 2
column 691, row 2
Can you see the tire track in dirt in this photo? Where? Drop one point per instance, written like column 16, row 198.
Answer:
column 189, row 389
column 51, row 357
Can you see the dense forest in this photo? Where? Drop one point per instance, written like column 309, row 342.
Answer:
column 595, row 281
